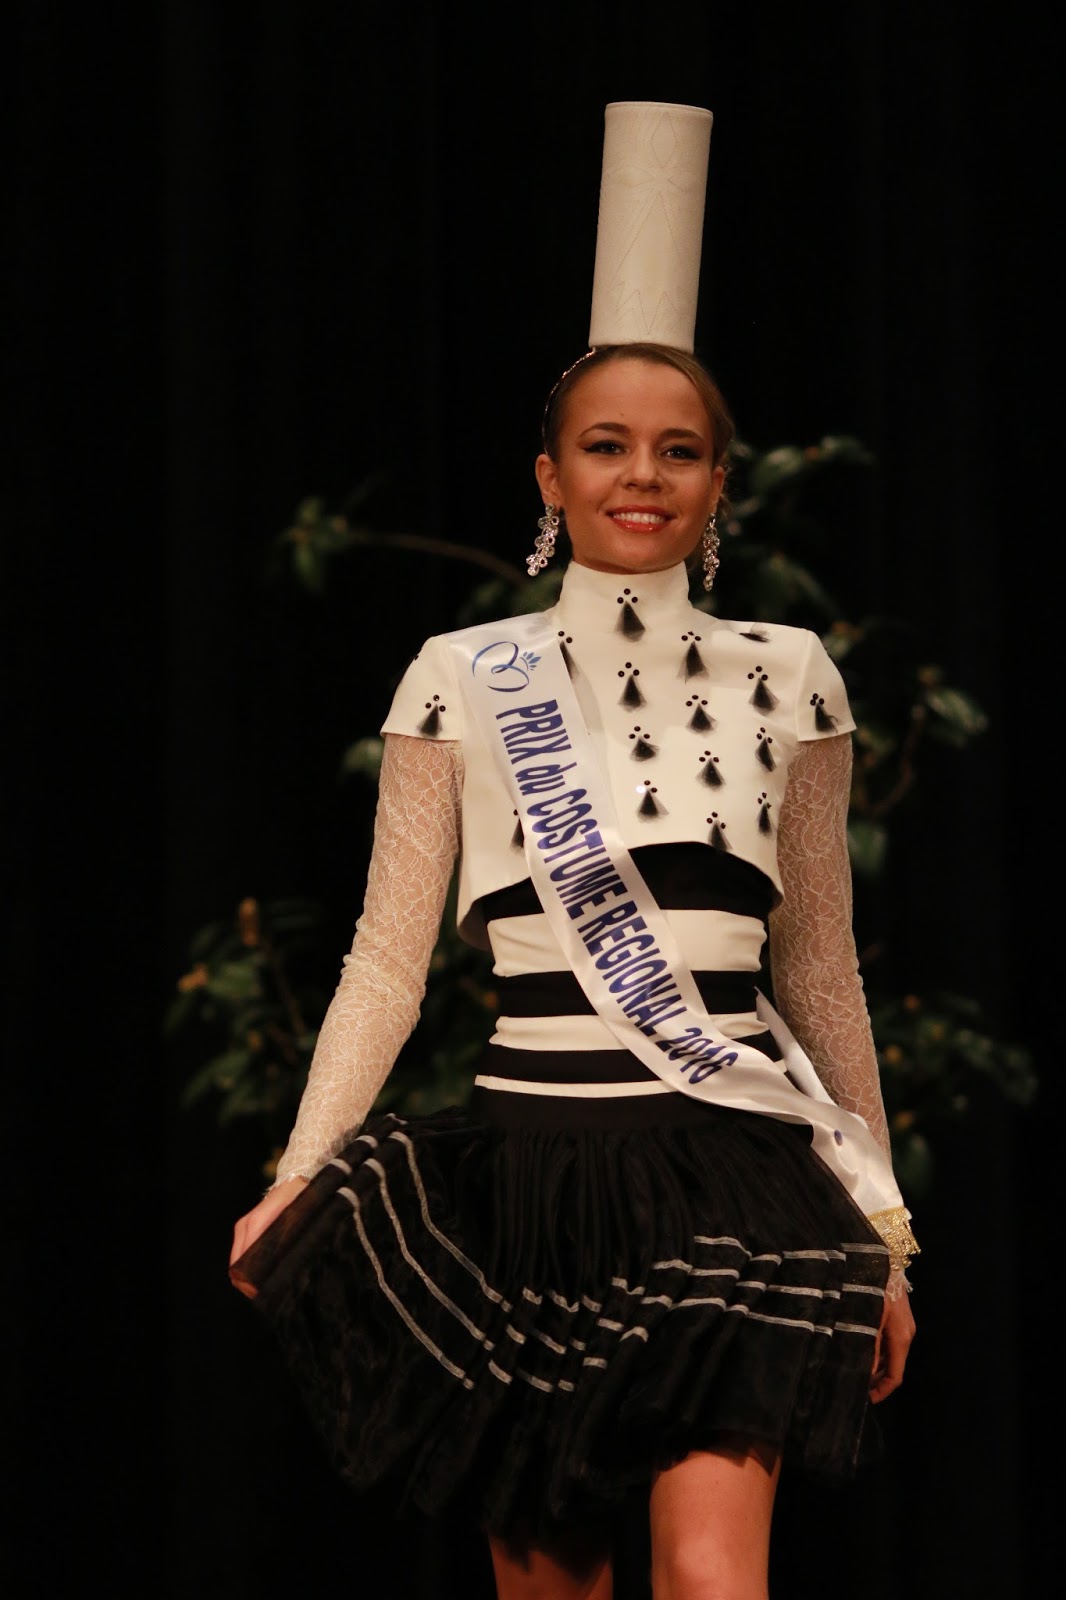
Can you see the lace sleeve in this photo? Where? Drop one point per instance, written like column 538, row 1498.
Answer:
column 813, row 961
column 383, row 978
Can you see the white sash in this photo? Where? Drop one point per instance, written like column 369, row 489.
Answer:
column 609, row 924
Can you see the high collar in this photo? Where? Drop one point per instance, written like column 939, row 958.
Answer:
column 591, row 600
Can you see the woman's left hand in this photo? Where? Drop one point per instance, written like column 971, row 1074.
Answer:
column 893, row 1345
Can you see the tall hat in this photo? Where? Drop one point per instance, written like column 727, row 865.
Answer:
column 650, row 232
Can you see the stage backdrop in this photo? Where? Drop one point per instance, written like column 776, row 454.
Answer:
column 259, row 253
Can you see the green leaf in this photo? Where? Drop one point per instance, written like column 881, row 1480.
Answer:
column 959, row 711
column 239, row 980
column 209, row 939
column 291, row 916
column 778, row 468
column 310, row 511
column 912, row 1160
column 839, row 642
column 363, row 758
column 332, row 536
column 841, row 447
column 221, row 1073
column 245, row 1099
column 182, row 1011
column 875, row 742
column 309, row 567
column 867, row 847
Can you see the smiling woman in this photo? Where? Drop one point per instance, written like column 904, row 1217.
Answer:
column 636, row 438
column 660, row 1249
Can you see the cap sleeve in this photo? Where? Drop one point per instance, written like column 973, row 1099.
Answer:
column 427, row 703
column 822, row 707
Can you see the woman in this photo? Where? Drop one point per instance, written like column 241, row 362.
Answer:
column 587, row 1282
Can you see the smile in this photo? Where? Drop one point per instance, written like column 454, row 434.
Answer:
column 640, row 519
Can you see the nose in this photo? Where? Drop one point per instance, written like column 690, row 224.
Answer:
column 643, row 467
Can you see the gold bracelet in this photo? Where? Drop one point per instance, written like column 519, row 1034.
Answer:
column 895, row 1229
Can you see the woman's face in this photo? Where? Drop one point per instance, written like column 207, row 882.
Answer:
column 635, row 473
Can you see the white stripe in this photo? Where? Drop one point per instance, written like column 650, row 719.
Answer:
column 538, row 1383
column 575, row 1031
column 505, row 1305
column 553, row 1344
column 435, row 1291
column 442, row 1238
column 787, row 1322
column 812, row 1255
column 796, row 1288
column 711, row 941
column 396, row 1303
column 586, row 1091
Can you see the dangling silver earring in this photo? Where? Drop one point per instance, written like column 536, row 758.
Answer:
column 709, row 551
column 544, row 543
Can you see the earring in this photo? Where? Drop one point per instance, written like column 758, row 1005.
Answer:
column 544, row 543
column 709, row 551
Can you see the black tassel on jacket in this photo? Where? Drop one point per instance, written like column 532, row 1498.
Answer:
column 429, row 727
column 629, row 623
column 824, row 720
column 693, row 665
column 648, row 806
column 699, row 721
column 717, row 837
column 631, row 695
column 762, row 695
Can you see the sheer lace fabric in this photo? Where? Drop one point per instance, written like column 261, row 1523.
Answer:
column 817, row 985
column 416, row 840
column 812, row 945
column 383, row 978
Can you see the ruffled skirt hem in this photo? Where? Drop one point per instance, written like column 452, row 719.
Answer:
column 524, row 1324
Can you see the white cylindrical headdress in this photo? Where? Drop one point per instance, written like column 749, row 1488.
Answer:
column 650, row 231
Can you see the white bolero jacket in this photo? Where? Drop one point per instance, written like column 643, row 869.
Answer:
column 695, row 721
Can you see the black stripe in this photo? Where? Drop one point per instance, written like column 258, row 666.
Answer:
column 558, row 994
column 685, row 876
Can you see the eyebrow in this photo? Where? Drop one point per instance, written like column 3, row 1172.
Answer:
column 621, row 427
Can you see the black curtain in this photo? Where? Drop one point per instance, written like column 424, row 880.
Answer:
column 258, row 252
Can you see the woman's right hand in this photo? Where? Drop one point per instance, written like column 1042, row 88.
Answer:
column 257, row 1221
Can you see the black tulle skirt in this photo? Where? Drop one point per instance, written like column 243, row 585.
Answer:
column 521, row 1310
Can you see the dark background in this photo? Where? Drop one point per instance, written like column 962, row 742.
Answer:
column 256, row 252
